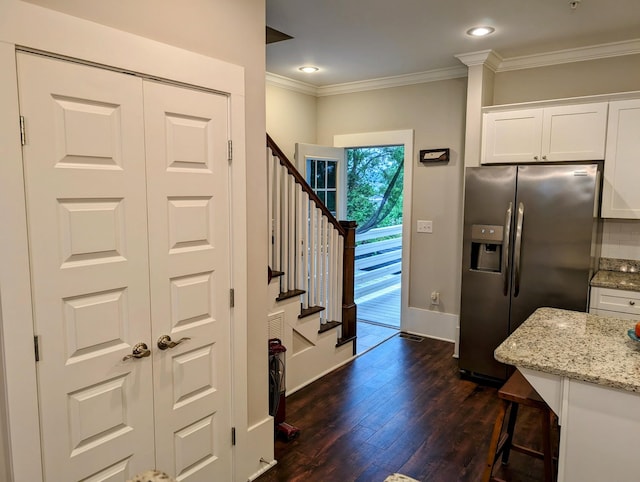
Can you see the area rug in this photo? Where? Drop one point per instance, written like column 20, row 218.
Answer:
column 399, row 478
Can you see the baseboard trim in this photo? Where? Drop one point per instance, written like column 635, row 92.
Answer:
column 259, row 454
column 431, row 324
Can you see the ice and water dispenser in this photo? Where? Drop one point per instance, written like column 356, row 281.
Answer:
column 486, row 247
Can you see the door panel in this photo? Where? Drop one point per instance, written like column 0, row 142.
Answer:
column 484, row 311
column 86, row 208
column 188, row 195
column 557, row 232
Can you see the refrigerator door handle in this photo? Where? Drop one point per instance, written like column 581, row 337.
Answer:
column 517, row 250
column 505, row 247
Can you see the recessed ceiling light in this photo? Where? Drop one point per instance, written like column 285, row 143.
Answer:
column 309, row 69
column 480, row 31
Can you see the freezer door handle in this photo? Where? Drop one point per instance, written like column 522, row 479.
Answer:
column 517, row 250
column 505, row 250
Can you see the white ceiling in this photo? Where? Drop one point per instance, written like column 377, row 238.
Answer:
column 356, row 40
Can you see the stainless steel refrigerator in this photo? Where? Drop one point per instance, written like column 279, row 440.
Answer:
column 531, row 239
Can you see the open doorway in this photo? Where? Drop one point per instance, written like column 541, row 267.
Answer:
column 371, row 334
column 374, row 200
column 325, row 168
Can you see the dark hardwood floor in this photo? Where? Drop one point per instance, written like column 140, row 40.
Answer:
column 399, row 408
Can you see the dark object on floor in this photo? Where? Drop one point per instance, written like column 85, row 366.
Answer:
column 515, row 392
column 277, row 391
column 287, row 432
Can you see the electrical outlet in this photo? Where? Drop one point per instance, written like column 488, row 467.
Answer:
column 435, row 297
column 425, row 226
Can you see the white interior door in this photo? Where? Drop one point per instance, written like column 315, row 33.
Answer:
column 86, row 209
column 124, row 251
column 188, row 192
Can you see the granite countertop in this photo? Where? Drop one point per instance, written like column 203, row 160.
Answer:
column 576, row 345
column 620, row 274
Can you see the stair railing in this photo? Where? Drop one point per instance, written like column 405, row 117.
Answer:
column 311, row 252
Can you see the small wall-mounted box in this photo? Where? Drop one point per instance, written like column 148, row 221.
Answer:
column 434, row 155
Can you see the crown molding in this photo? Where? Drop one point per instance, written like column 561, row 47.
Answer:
column 364, row 85
column 594, row 52
column 489, row 58
column 291, row 84
column 393, row 81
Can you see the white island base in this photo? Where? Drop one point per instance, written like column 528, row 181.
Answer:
column 600, row 428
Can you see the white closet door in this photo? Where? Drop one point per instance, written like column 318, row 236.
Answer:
column 86, row 208
column 188, row 200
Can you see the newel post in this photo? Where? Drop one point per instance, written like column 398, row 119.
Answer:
column 349, row 308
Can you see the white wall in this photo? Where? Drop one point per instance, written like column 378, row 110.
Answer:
column 602, row 76
column 621, row 239
column 435, row 111
column 4, row 449
column 291, row 118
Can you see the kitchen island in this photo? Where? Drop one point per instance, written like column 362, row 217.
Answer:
column 587, row 369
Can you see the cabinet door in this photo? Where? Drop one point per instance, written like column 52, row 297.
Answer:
column 621, row 195
column 511, row 136
column 188, row 198
column 574, row 132
column 86, row 211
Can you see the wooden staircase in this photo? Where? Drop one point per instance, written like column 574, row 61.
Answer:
column 311, row 276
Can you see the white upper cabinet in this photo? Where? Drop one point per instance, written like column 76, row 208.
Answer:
column 514, row 136
column 621, row 192
column 557, row 133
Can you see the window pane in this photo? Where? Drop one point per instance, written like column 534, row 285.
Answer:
column 311, row 172
column 332, row 167
column 331, row 201
column 322, row 196
column 320, row 174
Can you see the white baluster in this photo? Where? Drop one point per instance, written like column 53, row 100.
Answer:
column 313, row 248
column 303, row 220
column 292, row 245
column 323, row 259
column 277, row 214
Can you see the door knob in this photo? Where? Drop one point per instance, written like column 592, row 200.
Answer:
column 165, row 342
column 140, row 350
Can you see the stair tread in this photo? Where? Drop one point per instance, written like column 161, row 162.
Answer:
column 344, row 341
column 304, row 312
column 285, row 295
column 329, row 325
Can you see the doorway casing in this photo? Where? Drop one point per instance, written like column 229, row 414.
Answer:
column 393, row 138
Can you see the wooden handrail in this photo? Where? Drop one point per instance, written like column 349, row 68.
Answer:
column 291, row 169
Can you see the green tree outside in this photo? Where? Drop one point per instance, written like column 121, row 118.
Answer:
column 374, row 186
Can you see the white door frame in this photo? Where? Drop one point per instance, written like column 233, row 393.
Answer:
column 393, row 138
column 42, row 29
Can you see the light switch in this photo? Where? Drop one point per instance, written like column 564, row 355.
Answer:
column 425, row 226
